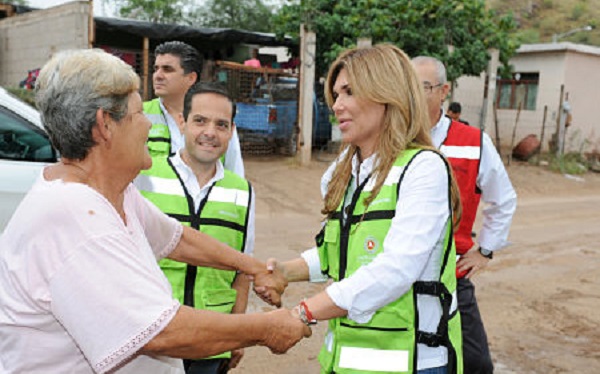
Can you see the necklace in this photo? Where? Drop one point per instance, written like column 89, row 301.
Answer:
column 77, row 171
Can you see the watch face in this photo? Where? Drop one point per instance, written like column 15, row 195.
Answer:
column 486, row 252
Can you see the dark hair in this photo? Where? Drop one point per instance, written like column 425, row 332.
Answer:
column 189, row 57
column 202, row 88
column 455, row 107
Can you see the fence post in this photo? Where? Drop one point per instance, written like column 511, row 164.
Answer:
column 514, row 133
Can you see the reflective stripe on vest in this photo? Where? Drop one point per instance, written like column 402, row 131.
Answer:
column 173, row 186
column 150, row 183
column 155, row 118
column 227, row 195
column 368, row 359
column 391, row 179
column 471, row 153
column 462, row 147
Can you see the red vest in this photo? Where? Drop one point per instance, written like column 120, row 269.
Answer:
column 462, row 147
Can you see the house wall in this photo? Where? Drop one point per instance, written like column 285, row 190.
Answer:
column 28, row 40
column 468, row 91
column 582, row 82
column 570, row 66
column 551, row 67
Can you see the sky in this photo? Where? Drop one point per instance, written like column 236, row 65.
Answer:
column 100, row 9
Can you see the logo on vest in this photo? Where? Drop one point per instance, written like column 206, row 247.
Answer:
column 371, row 244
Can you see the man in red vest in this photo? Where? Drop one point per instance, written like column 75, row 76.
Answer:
column 480, row 174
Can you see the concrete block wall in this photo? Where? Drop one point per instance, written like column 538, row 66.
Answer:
column 28, row 40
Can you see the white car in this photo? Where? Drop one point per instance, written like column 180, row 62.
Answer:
column 24, row 150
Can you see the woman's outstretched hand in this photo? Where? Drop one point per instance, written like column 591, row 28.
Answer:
column 271, row 284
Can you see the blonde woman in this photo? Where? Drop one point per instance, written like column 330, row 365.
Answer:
column 390, row 205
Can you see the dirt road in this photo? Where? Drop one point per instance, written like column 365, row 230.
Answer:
column 539, row 298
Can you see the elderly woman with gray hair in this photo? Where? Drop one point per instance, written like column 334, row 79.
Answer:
column 80, row 287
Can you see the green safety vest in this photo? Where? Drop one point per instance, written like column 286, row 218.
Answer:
column 388, row 342
column 223, row 214
column 159, row 138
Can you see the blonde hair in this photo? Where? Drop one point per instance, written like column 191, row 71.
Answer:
column 385, row 75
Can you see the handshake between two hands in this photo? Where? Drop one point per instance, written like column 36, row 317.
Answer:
column 285, row 327
column 270, row 284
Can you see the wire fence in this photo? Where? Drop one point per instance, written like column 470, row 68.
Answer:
column 267, row 107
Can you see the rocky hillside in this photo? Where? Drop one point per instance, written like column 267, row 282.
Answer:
column 539, row 20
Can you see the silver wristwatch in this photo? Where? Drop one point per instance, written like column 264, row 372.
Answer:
column 486, row 253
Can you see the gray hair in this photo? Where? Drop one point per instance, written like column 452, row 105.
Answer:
column 70, row 89
column 439, row 66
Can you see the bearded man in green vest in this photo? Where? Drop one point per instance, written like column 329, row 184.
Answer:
column 177, row 67
column 193, row 186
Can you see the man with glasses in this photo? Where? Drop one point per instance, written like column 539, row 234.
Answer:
column 480, row 174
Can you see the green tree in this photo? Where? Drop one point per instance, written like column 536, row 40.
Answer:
column 458, row 32
column 163, row 11
column 253, row 15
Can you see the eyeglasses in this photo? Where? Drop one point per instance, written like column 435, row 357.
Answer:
column 428, row 87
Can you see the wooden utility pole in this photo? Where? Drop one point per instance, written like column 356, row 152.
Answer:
column 91, row 26
column 489, row 88
column 555, row 136
column 146, row 47
column 565, row 109
column 542, row 134
column 308, row 41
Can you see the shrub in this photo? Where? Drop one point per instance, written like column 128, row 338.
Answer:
column 27, row 96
